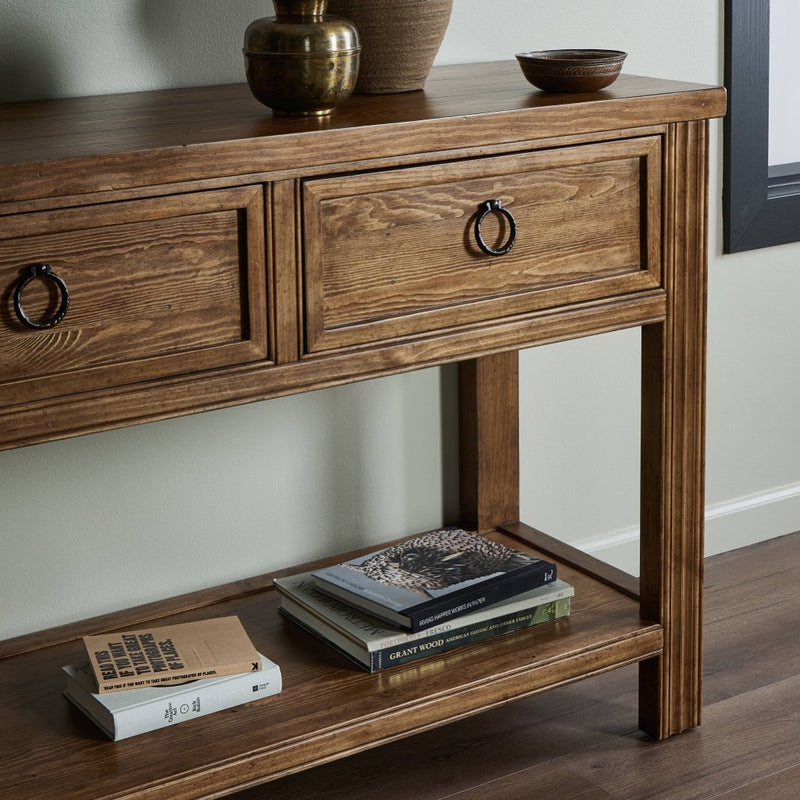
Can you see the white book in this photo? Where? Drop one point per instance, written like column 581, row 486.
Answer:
column 121, row 715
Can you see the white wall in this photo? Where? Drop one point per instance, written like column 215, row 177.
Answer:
column 97, row 523
column 784, row 74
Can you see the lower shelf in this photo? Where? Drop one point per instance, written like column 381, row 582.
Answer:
column 328, row 708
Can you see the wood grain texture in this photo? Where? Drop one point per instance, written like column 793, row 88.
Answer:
column 568, row 554
column 170, row 397
column 287, row 279
column 395, row 312
column 170, row 136
column 673, row 446
column 157, row 287
column 291, row 233
column 488, row 391
column 327, row 709
column 585, row 734
column 559, row 781
column 372, row 234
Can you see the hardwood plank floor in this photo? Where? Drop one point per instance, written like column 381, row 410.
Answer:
column 581, row 742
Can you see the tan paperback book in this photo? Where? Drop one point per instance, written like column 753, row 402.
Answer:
column 170, row 654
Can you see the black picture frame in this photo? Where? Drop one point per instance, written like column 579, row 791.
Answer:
column 761, row 204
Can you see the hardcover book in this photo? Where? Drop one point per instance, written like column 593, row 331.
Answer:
column 373, row 646
column 123, row 714
column 170, row 653
column 438, row 576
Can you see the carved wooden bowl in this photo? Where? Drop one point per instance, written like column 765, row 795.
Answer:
column 571, row 70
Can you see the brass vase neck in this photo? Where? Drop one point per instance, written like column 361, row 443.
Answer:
column 300, row 8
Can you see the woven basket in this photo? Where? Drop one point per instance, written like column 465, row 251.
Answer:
column 399, row 40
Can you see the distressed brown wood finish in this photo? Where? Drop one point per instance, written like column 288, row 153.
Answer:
column 581, row 742
column 327, row 709
column 143, row 304
column 489, row 440
column 371, row 234
column 673, row 435
column 302, row 254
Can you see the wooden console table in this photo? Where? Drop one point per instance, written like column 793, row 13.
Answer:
column 214, row 255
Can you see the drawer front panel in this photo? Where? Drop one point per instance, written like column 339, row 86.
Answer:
column 157, row 287
column 394, row 254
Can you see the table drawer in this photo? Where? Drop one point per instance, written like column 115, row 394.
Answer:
column 157, row 287
column 395, row 253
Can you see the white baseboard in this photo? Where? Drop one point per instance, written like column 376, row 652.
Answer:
column 620, row 548
column 729, row 525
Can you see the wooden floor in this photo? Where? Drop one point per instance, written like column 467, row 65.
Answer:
column 581, row 742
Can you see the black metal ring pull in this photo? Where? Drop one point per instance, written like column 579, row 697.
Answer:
column 41, row 271
column 486, row 208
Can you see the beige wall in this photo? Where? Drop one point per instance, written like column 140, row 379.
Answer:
column 104, row 521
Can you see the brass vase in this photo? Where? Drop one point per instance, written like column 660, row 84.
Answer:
column 301, row 61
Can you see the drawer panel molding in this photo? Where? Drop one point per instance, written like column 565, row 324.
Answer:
column 158, row 287
column 395, row 253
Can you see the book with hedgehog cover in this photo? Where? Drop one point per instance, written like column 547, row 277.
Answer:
column 428, row 579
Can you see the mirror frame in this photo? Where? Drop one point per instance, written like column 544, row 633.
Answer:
column 761, row 203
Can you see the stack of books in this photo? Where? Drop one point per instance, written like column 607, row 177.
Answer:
column 424, row 596
column 141, row 680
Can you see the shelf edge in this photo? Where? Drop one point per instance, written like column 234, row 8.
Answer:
column 605, row 573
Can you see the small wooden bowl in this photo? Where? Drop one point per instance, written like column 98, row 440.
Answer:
column 571, row 70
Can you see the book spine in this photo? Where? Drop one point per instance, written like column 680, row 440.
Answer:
column 481, row 631
column 429, row 614
column 300, row 596
column 179, row 676
column 489, row 615
column 196, row 702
